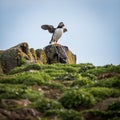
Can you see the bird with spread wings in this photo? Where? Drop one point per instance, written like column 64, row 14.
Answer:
column 57, row 32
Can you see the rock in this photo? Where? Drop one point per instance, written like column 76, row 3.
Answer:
column 41, row 56
column 16, row 56
column 12, row 103
column 1, row 71
column 20, row 114
column 22, row 54
column 59, row 54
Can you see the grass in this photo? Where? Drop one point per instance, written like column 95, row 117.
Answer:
column 64, row 92
column 101, row 93
column 114, row 106
column 62, row 114
column 27, row 78
column 103, row 69
column 112, row 82
column 46, row 104
column 18, row 92
column 82, row 81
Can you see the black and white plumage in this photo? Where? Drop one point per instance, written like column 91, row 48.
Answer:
column 57, row 32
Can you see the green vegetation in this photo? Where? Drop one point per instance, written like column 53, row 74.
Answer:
column 9, row 91
column 81, row 82
column 27, row 78
column 77, row 98
column 21, row 61
column 63, row 91
column 101, row 93
column 46, row 104
column 114, row 106
column 112, row 82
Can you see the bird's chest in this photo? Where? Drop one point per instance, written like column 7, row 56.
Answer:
column 58, row 33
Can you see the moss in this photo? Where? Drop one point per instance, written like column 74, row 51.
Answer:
column 21, row 61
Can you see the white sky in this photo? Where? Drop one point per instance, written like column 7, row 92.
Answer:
column 93, row 26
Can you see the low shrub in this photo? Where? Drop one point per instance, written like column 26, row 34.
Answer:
column 85, row 66
column 54, row 73
column 62, row 114
column 46, row 104
column 33, row 67
column 54, row 85
column 113, row 82
column 77, row 98
column 16, row 70
column 106, row 69
column 70, row 69
column 102, row 115
column 32, row 95
column 114, row 106
column 79, row 83
column 27, row 78
column 89, row 75
column 101, row 93
column 26, row 68
column 70, row 115
column 19, row 92
column 68, row 76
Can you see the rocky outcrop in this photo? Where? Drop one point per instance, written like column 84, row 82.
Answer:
column 59, row 54
column 22, row 54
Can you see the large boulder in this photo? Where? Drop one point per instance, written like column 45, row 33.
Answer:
column 59, row 54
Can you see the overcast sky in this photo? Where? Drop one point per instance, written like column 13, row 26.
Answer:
column 93, row 26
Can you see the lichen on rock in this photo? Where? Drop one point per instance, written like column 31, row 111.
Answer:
column 41, row 56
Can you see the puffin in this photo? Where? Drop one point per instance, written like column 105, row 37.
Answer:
column 56, row 32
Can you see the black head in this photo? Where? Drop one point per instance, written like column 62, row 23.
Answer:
column 61, row 24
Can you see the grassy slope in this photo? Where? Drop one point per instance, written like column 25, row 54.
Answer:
column 61, row 92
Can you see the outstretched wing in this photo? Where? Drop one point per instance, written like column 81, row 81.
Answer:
column 50, row 28
column 64, row 30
